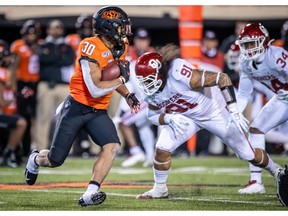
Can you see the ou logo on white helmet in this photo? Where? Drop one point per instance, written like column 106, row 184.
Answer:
column 155, row 63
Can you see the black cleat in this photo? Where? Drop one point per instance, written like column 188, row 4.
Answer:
column 282, row 185
column 96, row 197
column 30, row 176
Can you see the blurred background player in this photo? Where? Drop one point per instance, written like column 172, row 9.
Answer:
column 211, row 59
column 56, row 67
column 26, row 65
column 10, row 122
column 84, row 29
column 132, row 124
column 141, row 44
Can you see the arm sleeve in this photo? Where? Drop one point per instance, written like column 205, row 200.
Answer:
column 93, row 90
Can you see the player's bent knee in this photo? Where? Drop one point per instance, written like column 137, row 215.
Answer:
column 110, row 149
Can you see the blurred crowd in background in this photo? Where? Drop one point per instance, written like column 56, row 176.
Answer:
column 35, row 70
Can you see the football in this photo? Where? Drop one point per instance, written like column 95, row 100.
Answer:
column 111, row 71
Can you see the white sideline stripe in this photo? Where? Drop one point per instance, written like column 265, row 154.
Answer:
column 171, row 198
column 236, row 171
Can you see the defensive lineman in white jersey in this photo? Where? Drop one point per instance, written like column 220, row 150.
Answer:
column 269, row 65
column 185, row 100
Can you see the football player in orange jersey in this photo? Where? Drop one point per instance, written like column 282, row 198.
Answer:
column 15, row 124
column 86, row 106
column 26, row 65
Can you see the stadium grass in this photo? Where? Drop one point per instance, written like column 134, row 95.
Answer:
column 195, row 184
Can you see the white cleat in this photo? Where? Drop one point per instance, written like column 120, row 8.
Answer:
column 153, row 194
column 133, row 160
column 252, row 188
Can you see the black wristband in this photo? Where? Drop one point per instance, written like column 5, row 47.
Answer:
column 228, row 94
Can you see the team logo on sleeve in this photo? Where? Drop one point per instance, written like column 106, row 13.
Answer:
column 105, row 54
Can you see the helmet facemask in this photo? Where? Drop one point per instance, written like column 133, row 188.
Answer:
column 252, row 48
column 149, row 84
column 122, row 30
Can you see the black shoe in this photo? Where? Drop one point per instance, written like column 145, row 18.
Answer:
column 96, row 197
column 31, row 177
column 9, row 158
column 282, row 185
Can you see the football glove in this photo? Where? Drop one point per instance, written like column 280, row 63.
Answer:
column 282, row 95
column 241, row 122
column 178, row 124
column 132, row 102
column 124, row 70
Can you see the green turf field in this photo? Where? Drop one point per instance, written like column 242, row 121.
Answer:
column 195, row 184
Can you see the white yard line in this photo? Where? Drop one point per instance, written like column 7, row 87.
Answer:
column 214, row 199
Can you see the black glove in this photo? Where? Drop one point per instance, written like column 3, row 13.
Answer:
column 124, row 70
column 132, row 102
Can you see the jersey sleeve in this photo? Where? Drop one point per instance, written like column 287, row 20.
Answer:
column 279, row 60
column 88, row 51
column 182, row 71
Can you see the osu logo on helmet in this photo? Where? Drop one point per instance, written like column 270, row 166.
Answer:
column 112, row 14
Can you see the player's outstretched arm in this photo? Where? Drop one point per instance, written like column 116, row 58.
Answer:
column 203, row 78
